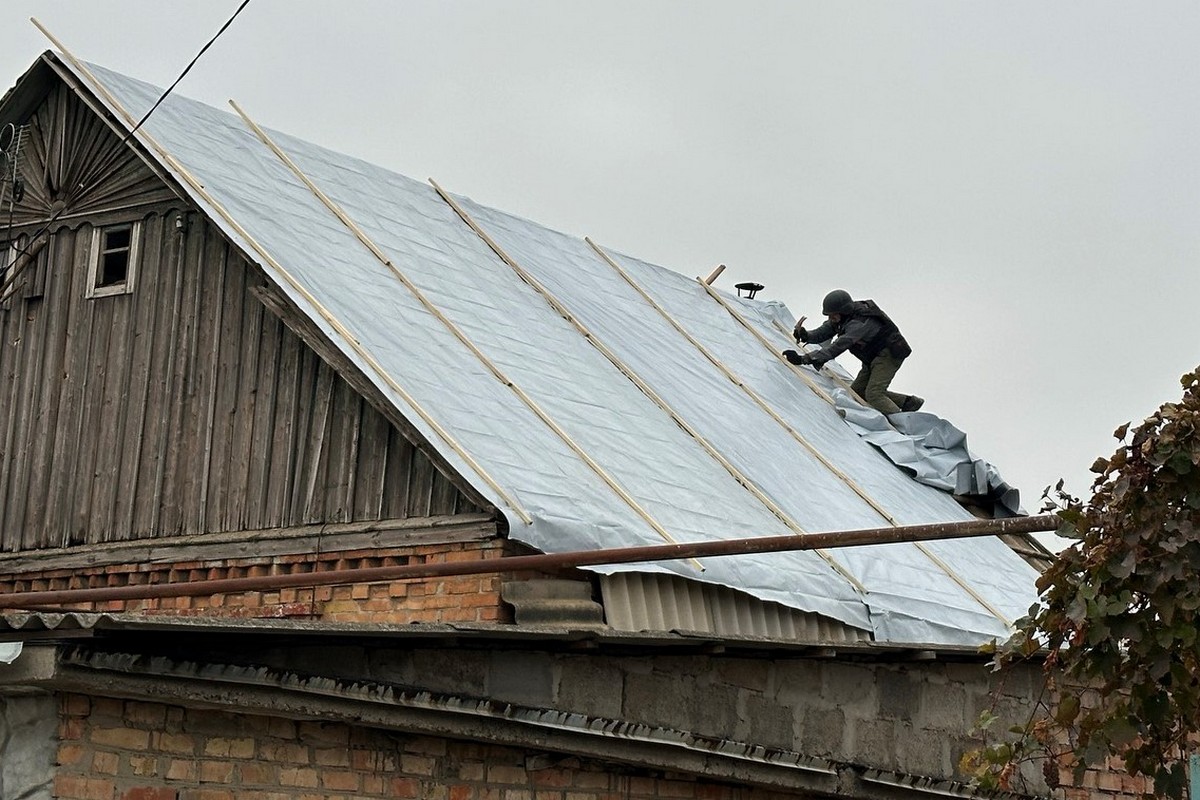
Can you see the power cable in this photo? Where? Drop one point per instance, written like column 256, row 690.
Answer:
column 5, row 280
column 186, row 69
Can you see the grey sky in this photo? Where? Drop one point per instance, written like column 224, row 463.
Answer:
column 1017, row 183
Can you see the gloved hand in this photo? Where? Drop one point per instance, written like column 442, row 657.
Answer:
column 794, row 358
column 798, row 332
column 816, row 360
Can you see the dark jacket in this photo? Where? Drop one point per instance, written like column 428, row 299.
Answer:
column 863, row 329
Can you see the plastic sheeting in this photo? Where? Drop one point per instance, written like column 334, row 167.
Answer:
column 583, row 450
column 933, row 451
column 9, row 652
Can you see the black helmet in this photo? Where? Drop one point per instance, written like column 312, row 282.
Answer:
column 836, row 302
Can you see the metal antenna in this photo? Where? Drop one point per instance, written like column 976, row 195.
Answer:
column 12, row 188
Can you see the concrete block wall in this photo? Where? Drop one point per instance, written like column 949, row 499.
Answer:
column 124, row 750
column 911, row 717
column 470, row 598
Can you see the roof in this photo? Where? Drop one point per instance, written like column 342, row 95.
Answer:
column 595, row 399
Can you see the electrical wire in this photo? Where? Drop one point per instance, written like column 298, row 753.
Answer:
column 6, row 280
column 186, row 69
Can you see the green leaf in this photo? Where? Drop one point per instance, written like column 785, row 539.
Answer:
column 1067, row 711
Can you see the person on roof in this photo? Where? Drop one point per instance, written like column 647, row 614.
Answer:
column 870, row 335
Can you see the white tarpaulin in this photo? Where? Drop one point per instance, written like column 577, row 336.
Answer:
column 617, row 424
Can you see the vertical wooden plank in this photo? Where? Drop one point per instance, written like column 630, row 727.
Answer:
column 372, row 464
column 241, row 429
column 93, row 363
column 110, row 392
column 323, row 452
column 10, row 539
column 164, row 391
column 55, row 319
column 420, row 492
column 151, row 309
column 15, row 356
column 222, row 389
column 67, row 446
column 398, row 481
column 443, row 494
column 310, row 433
column 181, row 432
column 347, row 420
column 194, row 435
column 263, row 437
column 281, row 474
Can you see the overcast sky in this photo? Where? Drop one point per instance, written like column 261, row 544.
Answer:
column 1017, row 183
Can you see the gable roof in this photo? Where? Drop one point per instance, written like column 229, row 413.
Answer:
column 596, row 400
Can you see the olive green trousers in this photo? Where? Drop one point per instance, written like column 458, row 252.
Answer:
column 873, row 381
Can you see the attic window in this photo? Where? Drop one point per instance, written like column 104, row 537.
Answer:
column 114, row 257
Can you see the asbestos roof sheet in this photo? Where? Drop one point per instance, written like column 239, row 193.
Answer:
column 606, row 427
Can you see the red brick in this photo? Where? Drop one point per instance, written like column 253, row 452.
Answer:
column 216, row 772
column 77, row 787
column 76, row 705
column 341, row 781
column 149, row 793
column 205, row 794
column 69, row 754
column 298, row 776
column 105, row 763
column 257, row 773
column 143, row 766
column 122, row 738
column 151, row 714
column 498, row 773
column 552, row 778
column 404, row 787
column 180, row 743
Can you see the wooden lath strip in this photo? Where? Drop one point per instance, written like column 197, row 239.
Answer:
column 458, row 332
column 943, row 566
column 758, row 399
column 733, row 312
column 954, row 576
column 331, row 320
column 761, row 403
column 832, row 375
column 636, row 379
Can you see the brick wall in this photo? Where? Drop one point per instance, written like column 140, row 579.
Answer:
column 469, row 598
column 124, row 750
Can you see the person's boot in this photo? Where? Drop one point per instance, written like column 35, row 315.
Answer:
column 913, row 403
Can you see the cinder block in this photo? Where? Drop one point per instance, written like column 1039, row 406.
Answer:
column 851, row 687
column 655, row 699
column 944, row 708
column 923, row 752
column 525, row 678
column 765, row 722
column 899, row 695
column 824, row 733
column 873, row 743
column 588, row 686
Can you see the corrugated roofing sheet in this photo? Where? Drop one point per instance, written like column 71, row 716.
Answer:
column 610, row 428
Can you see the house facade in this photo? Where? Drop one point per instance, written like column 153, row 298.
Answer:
column 197, row 386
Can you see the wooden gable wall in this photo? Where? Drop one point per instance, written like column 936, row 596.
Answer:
column 184, row 406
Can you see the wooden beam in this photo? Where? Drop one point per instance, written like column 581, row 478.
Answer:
column 367, row 535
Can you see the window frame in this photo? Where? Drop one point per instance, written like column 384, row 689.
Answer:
column 97, row 252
